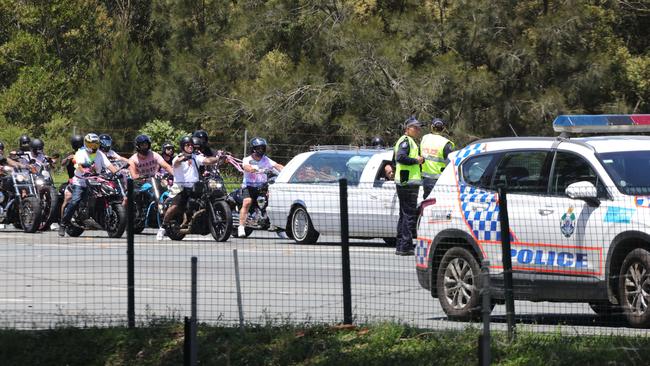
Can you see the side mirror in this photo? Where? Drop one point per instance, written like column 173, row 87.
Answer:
column 583, row 190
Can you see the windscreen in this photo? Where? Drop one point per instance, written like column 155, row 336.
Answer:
column 629, row 170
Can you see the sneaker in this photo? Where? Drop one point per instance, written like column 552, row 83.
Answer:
column 61, row 230
column 241, row 231
column 160, row 235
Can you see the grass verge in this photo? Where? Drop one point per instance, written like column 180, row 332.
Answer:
column 383, row 344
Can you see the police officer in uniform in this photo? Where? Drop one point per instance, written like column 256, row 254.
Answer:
column 435, row 148
column 408, row 178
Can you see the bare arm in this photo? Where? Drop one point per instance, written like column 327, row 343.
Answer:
column 133, row 171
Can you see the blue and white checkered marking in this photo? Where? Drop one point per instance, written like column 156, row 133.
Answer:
column 421, row 253
column 484, row 223
column 468, row 151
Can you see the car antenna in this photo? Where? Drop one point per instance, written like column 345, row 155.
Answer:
column 513, row 130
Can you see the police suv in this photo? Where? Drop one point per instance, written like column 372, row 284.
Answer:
column 579, row 215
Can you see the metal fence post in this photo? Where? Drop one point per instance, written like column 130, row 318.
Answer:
column 507, row 262
column 345, row 252
column 130, row 255
column 240, row 306
column 485, row 354
column 194, row 347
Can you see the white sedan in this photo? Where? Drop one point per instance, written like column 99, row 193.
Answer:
column 304, row 200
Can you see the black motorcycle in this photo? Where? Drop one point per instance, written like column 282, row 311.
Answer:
column 257, row 218
column 19, row 203
column 47, row 193
column 102, row 209
column 206, row 210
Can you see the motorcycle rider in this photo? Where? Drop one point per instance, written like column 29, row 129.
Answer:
column 36, row 151
column 186, row 173
column 106, row 146
column 5, row 181
column 146, row 163
column 255, row 167
column 86, row 159
column 22, row 154
column 76, row 142
column 204, row 148
column 167, row 152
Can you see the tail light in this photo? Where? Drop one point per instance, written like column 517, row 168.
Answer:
column 426, row 203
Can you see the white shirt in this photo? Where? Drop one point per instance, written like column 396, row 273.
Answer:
column 257, row 179
column 187, row 172
column 98, row 160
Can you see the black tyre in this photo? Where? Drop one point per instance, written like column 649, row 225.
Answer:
column 173, row 230
column 139, row 220
column 30, row 214
column 605, row 308
column 49, row 206
column 458, row 285
column 634, row 288
column 115, row 220
column 302, row 229
column 221, row 222
column 390, row 241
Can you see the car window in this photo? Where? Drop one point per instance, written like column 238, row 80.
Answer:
column 330, row 167
column 570, row 168
column 475, row 170
column 522, row 172
column 629, row 170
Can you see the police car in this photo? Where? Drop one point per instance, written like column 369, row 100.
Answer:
column 579, row 214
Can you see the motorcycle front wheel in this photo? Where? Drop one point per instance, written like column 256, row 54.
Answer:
column 220, row 221
column 30, row 214
column 49, row 206
column 115, row 220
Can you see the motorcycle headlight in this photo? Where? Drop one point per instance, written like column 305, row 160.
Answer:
column 40, row 181
column 21, row 178
column 214, row 185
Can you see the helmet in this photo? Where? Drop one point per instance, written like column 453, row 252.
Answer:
column 139, row 141
column 24, row 141
column 197, row 142
column 438, row 124
column 165, row 146
column 377, row 142
column 186, row 140
column 201, row 134
column 105, row 142
column 76, row 141
column 2, row 146
column 91, row 142
column 37, row 145
column 258, row 145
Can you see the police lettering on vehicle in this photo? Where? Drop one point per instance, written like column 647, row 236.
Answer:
column 550, row 258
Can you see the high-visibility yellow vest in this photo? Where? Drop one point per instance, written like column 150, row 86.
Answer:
column 414, row 172
column 433, row 147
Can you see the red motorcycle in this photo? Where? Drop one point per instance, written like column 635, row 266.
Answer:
column 102, row 209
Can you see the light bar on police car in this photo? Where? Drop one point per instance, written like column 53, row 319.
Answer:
column 602, row 123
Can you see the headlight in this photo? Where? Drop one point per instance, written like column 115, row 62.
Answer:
column 20, row 178
column 40, row 181
column 214, row 185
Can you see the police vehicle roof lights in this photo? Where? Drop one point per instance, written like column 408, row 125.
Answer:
column 602, row 123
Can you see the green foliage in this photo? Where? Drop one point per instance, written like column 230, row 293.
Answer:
column 9, row 134
column 162, row 131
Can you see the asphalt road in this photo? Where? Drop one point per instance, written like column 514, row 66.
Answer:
column 50, row 281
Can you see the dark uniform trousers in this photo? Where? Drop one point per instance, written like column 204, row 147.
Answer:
column 427, row 185
column 408, row 201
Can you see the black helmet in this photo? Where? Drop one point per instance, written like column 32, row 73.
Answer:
column 37, row 145
column 105, row 142
column 201, row 134
column 197, row 142
column 377, row 142
column 139, row 141
column 186, row 140
column 2, row 146
column 438, row 124
column 76, row 141
column 24, row 142
column 258, row 145
column 167, row 145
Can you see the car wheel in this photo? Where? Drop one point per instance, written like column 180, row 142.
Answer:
column 458, row 285
column 302, row 229
column 634, row 288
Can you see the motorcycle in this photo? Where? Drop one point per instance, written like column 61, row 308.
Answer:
column 257, row 218
column 206, row 210
column 20, row 205
column 47, row 193
column 149, row 200
column 102, row 208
